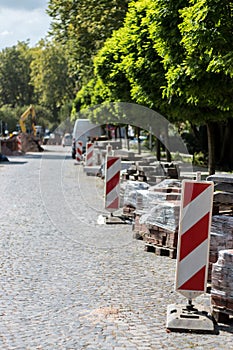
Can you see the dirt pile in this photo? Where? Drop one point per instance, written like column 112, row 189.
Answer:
column 22, row 143
column 30, row 143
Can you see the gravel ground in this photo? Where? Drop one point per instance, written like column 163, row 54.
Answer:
column 69, row 283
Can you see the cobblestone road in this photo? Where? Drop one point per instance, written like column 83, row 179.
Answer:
column 69, row 283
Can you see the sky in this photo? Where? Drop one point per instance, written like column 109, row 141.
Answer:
column 21, row 20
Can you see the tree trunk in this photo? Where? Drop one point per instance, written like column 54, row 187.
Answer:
column 168, row 153
column 158, row 150
column 226, row 147
column 119, row 128
column 139, row 140
column 211, row 148
column 127, row 136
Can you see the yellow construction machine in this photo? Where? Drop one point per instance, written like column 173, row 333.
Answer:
column 23, row 118
column 29, row 142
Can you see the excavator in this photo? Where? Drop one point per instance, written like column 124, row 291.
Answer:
column 29, row 142
column 24, row 116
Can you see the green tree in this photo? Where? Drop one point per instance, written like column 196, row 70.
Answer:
column 207, row 39
column 174, row 56
column 50, row 77
column 128, row 68
column 82, row 27
column 128, row 65
column 15, row 88
column 9, row 117
column 194, row 40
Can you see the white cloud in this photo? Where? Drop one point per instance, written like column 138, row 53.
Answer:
column 5, row 33
column 21, row 25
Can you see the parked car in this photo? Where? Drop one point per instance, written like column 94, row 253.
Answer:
column 67, row 140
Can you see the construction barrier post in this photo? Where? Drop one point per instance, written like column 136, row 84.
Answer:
column 193, row 238
column 109, row 149
column 89, row 154
column 19, row 143
column 79, row 151
column 192, row 255
column 112, row 183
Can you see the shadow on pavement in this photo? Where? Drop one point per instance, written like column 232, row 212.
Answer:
column 13, row 162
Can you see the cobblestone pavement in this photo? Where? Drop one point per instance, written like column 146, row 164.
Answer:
column 69, row 283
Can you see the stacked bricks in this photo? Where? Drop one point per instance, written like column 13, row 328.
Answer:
column 130, row 196
column 162, row 237
column 140, row 229
column 221, row 238
column 162, row 227
column 152, row 171
column 222, row 281
column 157, row 216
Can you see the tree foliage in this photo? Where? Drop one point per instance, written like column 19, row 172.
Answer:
column 128, row 68
column 15, row 89
column 196, row 47
column 82, row 27
column 50, row 78
column 174, row 56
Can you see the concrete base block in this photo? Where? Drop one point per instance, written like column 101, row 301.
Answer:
column 91, row 170
column 189, row 319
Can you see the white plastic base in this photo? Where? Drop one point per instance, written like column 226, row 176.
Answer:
column 182, row 318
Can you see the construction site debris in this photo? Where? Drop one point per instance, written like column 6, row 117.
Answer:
column 9, row 146
column 28, row 143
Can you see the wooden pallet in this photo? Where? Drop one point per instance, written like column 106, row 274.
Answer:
column 161, row 250
column 221, row 315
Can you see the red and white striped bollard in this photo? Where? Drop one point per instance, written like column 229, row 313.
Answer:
column 79, row 150
column 19, row 143
column 193, row 238
column 89, row 154
column 112, row 183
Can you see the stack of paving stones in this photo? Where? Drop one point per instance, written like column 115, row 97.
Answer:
column 221, row 238
column 146, row 200
column 222, row 284
column 223, row 195
column 162, row 222
column 156, row 217
column 151, row 171
column 130, row 196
